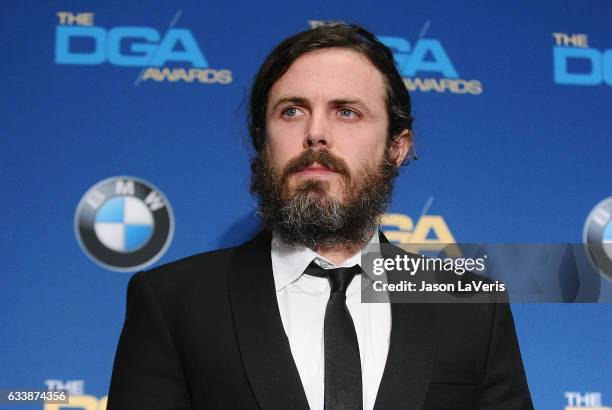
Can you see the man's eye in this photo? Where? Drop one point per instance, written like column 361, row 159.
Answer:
column 292, row 112
column 347, row 113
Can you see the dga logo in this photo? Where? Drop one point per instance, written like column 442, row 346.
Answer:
column 124, row 223
column 413, row 61
column 427, row 57
column 429, row 234
column 429, row 229
column 584, row 401
column 80, row 402
column 78, row 41
column 76, row 393
column 597, row 235
column 575, row 63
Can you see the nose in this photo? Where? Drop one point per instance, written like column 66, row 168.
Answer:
column 318, row 133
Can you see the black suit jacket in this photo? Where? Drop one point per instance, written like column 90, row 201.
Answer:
column 205, row 332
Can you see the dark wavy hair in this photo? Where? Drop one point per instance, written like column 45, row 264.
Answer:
column 336, row 35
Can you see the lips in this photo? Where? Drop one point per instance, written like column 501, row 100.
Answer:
column 316, row 168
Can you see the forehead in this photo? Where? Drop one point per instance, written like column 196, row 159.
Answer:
column 331, row 73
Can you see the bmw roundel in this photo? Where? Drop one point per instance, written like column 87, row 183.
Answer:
column 597, row 236
column 124, row 223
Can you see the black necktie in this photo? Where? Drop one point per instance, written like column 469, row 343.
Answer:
column 342, row 364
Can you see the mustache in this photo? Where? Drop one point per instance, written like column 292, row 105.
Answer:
column 322, row 157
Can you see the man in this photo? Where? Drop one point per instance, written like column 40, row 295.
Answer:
column 277, row 323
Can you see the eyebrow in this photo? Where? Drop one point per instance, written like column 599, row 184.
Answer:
column 290, row 100
column 357, row 102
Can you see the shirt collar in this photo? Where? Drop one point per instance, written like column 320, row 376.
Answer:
column 289, row 262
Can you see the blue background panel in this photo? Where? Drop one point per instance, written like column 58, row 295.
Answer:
column 523, row 161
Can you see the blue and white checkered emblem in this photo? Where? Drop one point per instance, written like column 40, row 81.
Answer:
column 597, row 236
column 124, row 223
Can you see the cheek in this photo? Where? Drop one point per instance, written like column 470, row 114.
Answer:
column 284, row 142
column 279, row 153
column 362, row 152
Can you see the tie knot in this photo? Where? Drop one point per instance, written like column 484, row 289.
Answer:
column 339, row 278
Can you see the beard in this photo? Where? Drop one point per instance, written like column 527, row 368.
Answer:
column 310, row 215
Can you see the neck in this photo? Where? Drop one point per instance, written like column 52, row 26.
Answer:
column 338, row 255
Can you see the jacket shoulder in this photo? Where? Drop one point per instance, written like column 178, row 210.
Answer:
column 208, row 269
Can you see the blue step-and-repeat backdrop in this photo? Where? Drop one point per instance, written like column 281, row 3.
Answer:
column 513, row 108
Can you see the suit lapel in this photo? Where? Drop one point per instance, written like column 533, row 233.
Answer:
column 267, row 356
column 263, row 344
column 409, row 363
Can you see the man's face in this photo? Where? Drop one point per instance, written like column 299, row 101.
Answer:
column 326, row 172
column 330, row 99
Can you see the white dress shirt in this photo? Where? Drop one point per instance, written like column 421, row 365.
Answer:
column 302, row 300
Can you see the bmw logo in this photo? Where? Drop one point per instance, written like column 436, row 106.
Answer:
column 597, row 235
column 124, row 223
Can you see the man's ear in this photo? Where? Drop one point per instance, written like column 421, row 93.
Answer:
column 400, row 147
